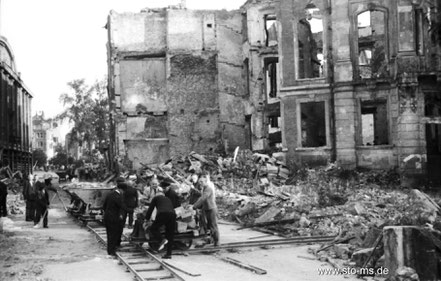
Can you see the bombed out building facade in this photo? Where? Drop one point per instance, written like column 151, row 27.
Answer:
column 15, row 114
column 353, row 82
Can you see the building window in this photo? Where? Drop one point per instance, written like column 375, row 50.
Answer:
column 372, row 44
column 374, row 124
column 406, row 26
column 271, row 65
column 270, row 30
column 310, row 43
column 55, row 139
column 313, row 124
column 246, row 76
column 432, row 107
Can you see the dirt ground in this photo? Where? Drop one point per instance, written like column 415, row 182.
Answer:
column 64, row 251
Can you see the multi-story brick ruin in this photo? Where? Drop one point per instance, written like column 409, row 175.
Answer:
column 353, row 82
column 15, row 113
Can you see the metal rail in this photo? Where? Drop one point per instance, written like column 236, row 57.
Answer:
column 268, row 242
column 143, row 264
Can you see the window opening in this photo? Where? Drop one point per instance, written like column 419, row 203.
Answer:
column 374, row 123
column 371, row 44
column 270, row 30
column 406, row 33
column 313, row 124
column 310, row 44
column 432, row 107
column 271, row 78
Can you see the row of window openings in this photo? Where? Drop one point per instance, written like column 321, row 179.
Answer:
column 372, row 40
column 373, row 119
column 374, row 125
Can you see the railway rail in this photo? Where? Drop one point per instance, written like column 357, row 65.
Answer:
column 140, row 262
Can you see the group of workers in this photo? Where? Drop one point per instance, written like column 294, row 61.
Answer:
column 35, row 194
column 162, row 199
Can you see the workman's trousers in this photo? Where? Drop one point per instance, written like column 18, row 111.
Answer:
column 113, row 230
column 130, row 215
column 211, row 217
column 169, row 220
column 30, row 210
column 41, row 211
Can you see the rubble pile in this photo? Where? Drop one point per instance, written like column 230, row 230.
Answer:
column 259, row 191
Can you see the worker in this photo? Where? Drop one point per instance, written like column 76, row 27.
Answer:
column 42, row 202
column 4, row 176
column 29, row 195
column 151, row 191
column 113, row 217
column 170, row 193
column 207, row 202
column 131, row 200
column 165, row 215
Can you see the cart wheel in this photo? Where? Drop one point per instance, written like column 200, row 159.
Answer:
column 183, row 244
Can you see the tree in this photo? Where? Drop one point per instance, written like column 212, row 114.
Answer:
column 60, row 157
column 88, row 108
column 39, row 158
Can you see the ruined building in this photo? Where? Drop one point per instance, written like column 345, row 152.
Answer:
column 15, row 113
column 351, row 81
column 175, row 83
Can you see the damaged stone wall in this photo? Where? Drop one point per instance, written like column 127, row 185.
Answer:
column 169, row 70
column 380, row 96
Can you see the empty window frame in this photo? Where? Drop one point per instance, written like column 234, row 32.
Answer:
column 372, row 44
column 313, row 124
column 432, row 104
column 310, row 43
column 406, row 26
column 271, row 65
column 374, row 123
column 270, row 30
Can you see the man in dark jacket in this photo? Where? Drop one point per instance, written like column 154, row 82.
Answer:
column 114, row 209
column 165, row 215
column 131, row 201
column 42, row 202
column 3, row 188
column 171, row 194
column 29, row 195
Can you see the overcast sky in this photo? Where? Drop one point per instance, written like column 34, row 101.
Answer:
column 57, row 41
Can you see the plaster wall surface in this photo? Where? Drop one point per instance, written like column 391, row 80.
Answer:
column 138, row 32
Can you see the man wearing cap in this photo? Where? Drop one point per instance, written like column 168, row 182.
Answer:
column 114, row 209
column 165, row 215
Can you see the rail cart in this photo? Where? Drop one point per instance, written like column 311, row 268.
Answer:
column 183, row 238
column 87, row 199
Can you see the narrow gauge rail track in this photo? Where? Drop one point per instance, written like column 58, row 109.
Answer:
column 140, row 262
column 146, row 266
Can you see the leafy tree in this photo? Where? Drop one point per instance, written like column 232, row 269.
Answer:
column 88, row 108
column 60, row 157
column 39, row 158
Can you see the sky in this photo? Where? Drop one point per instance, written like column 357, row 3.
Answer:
column 57, row 41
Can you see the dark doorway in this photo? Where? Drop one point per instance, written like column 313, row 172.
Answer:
column 433, row 142
column 248, row 132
